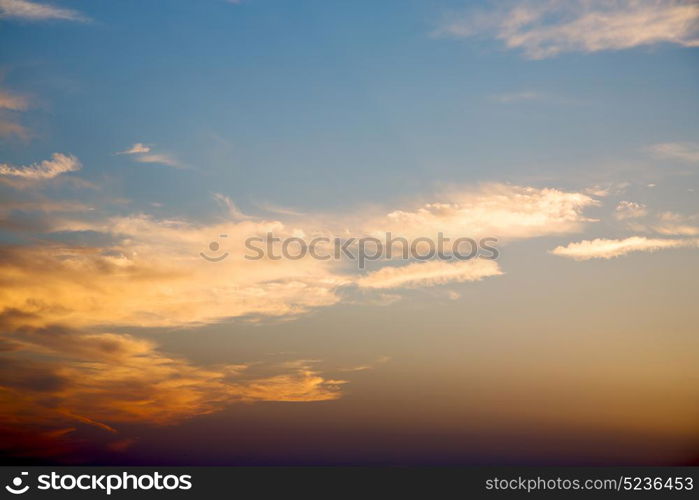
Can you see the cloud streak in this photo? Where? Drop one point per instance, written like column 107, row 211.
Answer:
column 430, row 274
column 684, row 151
column 609, row 248
column 497, row 210
column 143, row 153
column 48, row 169
column 546, row 29
column 10, row 104
column 137, row 148
column 33, row 11
column 12, row 101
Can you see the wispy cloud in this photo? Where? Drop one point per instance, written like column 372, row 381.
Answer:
column 33, row 11
column 231, row 208
column 47, row 169
column 160, row 159
column 15, row 102
column 545, row 29
column 143, row 153
column 674, row 224
column 9, row 128
column 139, row 147
column 431, row 273
column 608, row 248
column 10, row 104
column 684, row 151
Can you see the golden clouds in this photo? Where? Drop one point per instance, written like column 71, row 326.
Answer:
column 135, row 285
column 62, row 366
column 57, row 378
column 147, row 272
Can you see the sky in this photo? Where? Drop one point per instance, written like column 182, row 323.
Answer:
column 143, row 143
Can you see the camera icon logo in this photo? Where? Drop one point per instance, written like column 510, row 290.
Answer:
column 16, row 487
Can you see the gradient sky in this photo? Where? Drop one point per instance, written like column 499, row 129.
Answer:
column 133, row 134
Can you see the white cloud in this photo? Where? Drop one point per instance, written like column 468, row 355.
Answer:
column 493, row 210
column 685, row 151
column 135, row 149
column 607, row 249
column 47, row 169
column 143, row 153
column 159, row 158
column 545, row 29
column 32, row 11
column 430, row 273
column 630, row 210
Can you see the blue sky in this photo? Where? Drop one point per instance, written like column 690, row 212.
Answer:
column 301, row 104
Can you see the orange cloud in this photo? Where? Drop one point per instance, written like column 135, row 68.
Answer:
column 55, row 378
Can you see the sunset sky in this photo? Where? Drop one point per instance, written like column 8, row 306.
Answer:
column 134, row 135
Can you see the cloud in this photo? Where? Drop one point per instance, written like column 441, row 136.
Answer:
column 546, row 29
column 607, row 249
column 148, row 272
column 160, row 158
column 135, row 149
column 674, row 224
column 151, row 274
column 684, row 151
column 32, row 11
column 233, row 211
column 630, row 210
column 493, row 210
column 430, row 274
column 9, row 128
column 106, row 379
column 669, row 224
column 144, row 154
column 66, row 364
column 47, row 169
column 59, row 379
column 607, row 189
column 12, row 101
